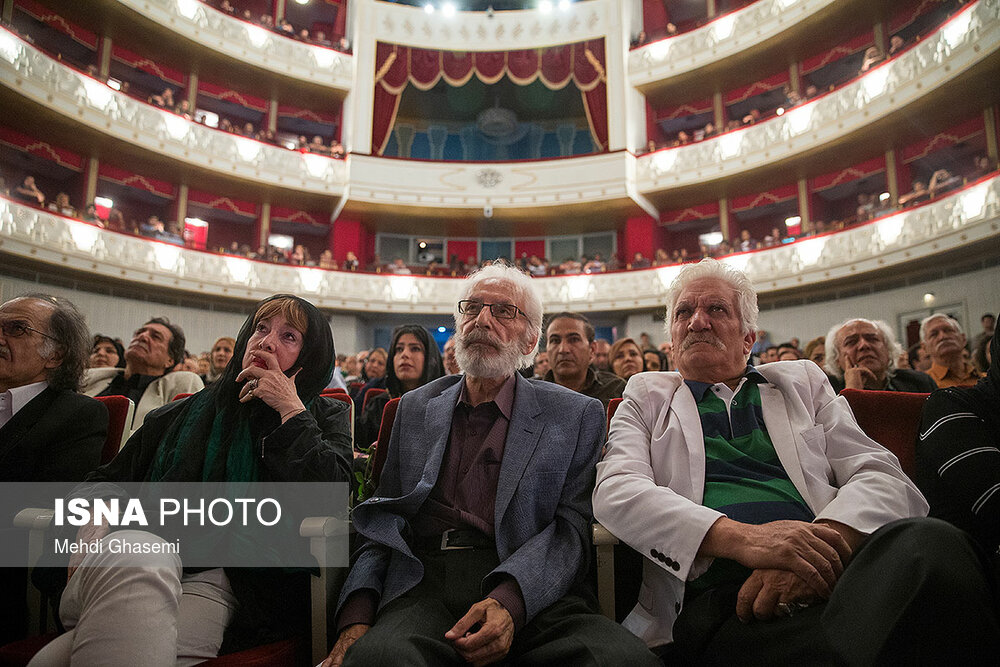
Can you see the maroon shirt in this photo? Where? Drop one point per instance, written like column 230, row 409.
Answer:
column 464, row 495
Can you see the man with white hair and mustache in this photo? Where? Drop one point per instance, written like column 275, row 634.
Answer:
column 475, row 547
column 773, row 528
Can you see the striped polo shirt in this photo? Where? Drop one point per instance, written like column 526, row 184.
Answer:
column 744, row 478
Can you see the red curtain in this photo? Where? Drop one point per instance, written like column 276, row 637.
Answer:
column 582, row 63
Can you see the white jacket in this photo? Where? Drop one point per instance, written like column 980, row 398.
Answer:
column 650, row 482
column 159, row 392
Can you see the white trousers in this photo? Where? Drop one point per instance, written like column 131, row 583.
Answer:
column 153, row 615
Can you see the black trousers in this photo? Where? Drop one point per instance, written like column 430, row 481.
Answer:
column 410, row 629
column 916, row 592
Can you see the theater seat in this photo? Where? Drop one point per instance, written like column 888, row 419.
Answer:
column 382, row 444
column 890, row 418
column 120, row 412
column 374, row 391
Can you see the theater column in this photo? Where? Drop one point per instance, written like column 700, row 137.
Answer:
column 990, row 123
column 271, row 117
column 879, row 34
column 8, row 11
column 710, row 8
column 724, row 218
column 279, row 10
column 718, row 112
column 180, row 207
column 90, row 173
column 805, row 206
column 262, row 229
column 795, row 78
column 192, row 91
column 104, row 58
column 892, row 176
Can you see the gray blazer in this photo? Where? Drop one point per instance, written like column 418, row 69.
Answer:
column 543, row 508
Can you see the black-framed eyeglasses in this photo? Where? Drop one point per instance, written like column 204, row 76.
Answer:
column 16, row 329
column 501, row 311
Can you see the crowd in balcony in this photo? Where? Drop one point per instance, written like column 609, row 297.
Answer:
column 285, row 28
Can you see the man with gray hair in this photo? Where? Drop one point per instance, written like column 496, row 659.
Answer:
column 475, row 546
column 861, row 354
column 943, row 339
column 771, row 525
column 48, row 432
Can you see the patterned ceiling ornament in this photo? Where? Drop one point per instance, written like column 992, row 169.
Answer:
column 489, row 178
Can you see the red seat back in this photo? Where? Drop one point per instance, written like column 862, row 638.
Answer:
column 119, row 408
column 382, row 444
column 374, row 391
column 333, row 392
column 181, row 396
column 890, row 418
column 612, row 406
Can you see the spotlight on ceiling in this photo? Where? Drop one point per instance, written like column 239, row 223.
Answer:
column 448, row 9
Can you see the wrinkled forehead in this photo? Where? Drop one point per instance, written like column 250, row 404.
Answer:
column 942, row 323
column 707, row 289
column 34, row 311
column 494, row 290
column 158, row 328
column 859, row 327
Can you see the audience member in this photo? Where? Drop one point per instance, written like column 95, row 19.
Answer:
column 918, row 194
column 49, row 432
column 448, row 359
column 399, row 267
column 106, row 352
column 569, row 340
column 156, row 347
column 919, row 359
column 29, row 193
column 788, row 352
column 816, row 540
column 872, row 58
column 861, row 354
column 414, row 362
column 816, row 351
column 626, row 358
column 958, row 457
column 601, row 349
column 256, row 414
column 945, row 341
column 896, row 45
column 456, row 476
column 541, row 365
column 639, row 262
column 654, row 360
column 62, row 206
column 219, row 357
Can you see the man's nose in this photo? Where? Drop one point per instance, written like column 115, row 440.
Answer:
column 699, row 321
column 484, row 318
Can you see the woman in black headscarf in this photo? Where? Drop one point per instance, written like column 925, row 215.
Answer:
column 414, row 360
column 958, row 456
column 264, row 420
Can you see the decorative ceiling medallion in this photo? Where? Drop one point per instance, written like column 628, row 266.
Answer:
column 489, row 178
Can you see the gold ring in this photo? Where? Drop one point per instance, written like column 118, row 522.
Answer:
column 250, row 394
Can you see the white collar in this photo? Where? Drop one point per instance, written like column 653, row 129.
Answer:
column 21, row 396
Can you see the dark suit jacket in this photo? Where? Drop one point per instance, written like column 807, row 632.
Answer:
column 57, row 437
column 900, row 379
column 543, row 508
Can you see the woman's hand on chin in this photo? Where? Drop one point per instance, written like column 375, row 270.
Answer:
column 264, row 379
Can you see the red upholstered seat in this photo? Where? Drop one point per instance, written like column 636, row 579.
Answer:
column 120, row 411
column 384, row 433
column 181, row 396
column 374, row 391
column 890, row 418
column 612, row 406
column 334, row 391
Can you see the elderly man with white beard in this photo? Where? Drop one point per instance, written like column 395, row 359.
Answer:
column 774, row 530
column 475, row 547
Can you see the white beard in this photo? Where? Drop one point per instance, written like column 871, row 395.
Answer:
column 499, row 361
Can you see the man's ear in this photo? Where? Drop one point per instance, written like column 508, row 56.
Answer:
column 529, row 345
column 56, row 360
column 748, row 341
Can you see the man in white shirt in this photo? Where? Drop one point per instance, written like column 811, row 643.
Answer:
column 48, row 432
column 774, row 530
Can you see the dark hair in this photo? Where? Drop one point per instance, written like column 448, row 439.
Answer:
column 175, row 348
column 69, row 328
column 588, row 328
column 433, row 367
column 117, row 344
column 913, row 354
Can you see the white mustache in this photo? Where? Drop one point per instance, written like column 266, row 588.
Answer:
column 709, row 338
column 480, row 336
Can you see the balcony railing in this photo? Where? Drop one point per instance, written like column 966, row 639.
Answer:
column 966, row 217
column 248, row 43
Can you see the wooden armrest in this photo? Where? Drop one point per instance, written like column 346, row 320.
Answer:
column 602, row 536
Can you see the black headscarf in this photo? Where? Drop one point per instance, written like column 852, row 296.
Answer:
column 214, row 437
column 101, row 338
column 433, row 368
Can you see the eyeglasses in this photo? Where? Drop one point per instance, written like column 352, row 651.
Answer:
column 501, row 311
column 16, row 329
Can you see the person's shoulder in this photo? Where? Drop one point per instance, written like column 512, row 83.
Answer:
column 432, row 388
column 180, row 379
column 918, row 380
column 92, row 375
column 606, row 378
